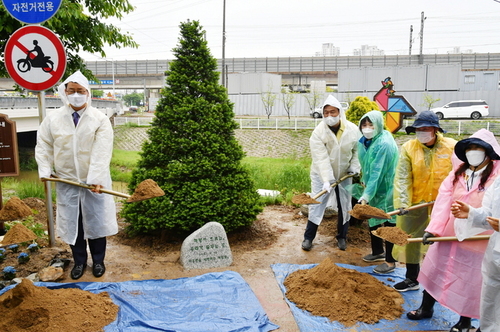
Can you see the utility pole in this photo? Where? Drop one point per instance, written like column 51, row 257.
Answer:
column 411, row 38
column 224, row 44
column 421, row 56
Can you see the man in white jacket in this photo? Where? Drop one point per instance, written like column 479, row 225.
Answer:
column 75, row 142
column 333, row 145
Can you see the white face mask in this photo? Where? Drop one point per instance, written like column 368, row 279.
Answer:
column 368, row 132
column 475, row 157
column 424, row 136
column 332, row 120
column 77, row 99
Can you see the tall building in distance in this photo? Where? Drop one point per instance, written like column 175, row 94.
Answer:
column 456, row 50
column 367, row 50
column 328, row 49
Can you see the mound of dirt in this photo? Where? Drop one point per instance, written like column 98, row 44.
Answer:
column 27, row 308
column 343, row 295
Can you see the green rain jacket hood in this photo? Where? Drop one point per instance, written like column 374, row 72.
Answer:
column 378, row 164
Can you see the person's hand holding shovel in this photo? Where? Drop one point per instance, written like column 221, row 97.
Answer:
column 96, row 188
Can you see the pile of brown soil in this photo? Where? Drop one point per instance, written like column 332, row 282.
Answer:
column 361, row 211
column 392, row 234
column 14, row 209
column 304, row 199
column 145, row 190
column 27, row 308
column 18, row 234
column 343, row 295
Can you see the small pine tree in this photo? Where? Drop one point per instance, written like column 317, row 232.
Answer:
column 192, row 152
column 359, row 107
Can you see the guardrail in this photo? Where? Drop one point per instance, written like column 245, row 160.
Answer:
column 460, row 127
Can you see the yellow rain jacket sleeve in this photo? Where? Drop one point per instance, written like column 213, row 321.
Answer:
column 419, row 174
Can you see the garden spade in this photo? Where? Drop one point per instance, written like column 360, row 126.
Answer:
column 147, row 189
column 306, row 199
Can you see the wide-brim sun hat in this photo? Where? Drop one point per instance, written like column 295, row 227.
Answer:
column 462, row 145
column 424, row 119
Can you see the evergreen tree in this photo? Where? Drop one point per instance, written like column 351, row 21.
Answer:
column 192, row 152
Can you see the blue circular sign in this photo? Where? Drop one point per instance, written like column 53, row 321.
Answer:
column 32, row 11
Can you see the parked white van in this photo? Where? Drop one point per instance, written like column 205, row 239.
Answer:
column 474, row 109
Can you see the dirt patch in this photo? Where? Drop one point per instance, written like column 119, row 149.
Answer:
column 343, row 295
column 304, row 199
column 27, row 308
column 18, row 234
column 145, row 190
column 361, row 211
column 14, row 209
column 393, row 234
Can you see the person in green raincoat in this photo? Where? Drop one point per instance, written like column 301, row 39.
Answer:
column 378, row 156
column 423, row 164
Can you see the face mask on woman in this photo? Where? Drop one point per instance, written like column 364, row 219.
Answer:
column 332, row 120
column 368, row 132
column 424, row 136
column 475, row 157
column 77, row 99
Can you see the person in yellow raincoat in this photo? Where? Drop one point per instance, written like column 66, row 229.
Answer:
column 423, row 164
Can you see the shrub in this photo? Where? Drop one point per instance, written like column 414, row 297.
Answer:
column 192, row 152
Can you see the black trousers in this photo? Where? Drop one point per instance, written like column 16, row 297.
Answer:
column 97, row 246
column 341, row 227
column 378, row 243
column 312, row 228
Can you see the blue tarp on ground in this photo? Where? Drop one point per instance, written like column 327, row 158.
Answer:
column 219, row 302
column 443, row 318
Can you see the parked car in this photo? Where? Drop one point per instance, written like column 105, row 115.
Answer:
column 318, row 111
column 474, row 109
column 133, row 108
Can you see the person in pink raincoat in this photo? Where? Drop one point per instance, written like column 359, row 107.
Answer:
column 451, row 271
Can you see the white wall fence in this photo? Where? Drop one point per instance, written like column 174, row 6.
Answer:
column 460, row 127
column 252, row 105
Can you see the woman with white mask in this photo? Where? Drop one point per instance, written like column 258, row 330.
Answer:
column 423, row 164
column 451, row 271
column 378, row 156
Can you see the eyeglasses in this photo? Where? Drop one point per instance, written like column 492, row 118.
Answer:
column 71, row 91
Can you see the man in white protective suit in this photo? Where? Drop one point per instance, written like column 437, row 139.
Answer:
column 75, row 142
column 333, row 145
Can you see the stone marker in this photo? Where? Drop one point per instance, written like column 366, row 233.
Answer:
column 206, row 248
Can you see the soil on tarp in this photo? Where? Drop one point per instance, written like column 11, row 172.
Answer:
column 343, row 295
column 28, row 308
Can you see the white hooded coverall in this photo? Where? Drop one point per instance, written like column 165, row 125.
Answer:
column 81, row 154
column 333, row 158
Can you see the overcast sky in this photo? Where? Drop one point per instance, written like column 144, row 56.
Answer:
column 272, row 28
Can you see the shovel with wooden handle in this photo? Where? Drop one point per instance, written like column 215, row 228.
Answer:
column 145, row 190
column 448, row 238
column 306, row 199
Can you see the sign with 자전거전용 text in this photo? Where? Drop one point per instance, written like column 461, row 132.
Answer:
column 9, row 157
column 32, row 11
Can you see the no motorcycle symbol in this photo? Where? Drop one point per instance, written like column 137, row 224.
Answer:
column 35, row 58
